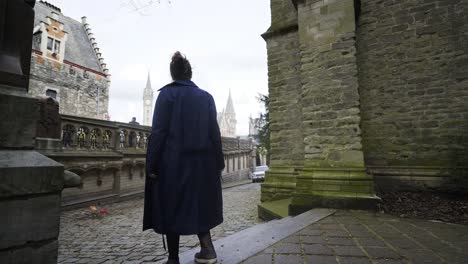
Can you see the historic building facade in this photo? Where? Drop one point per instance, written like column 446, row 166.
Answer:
column 66, row 64
column 227, row 119
column 148, row 103
column 363, row 91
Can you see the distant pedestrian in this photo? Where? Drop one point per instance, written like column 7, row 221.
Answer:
column 184, row 163
column 133, row 122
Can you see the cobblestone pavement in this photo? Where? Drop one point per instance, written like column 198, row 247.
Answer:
column 364, row 237
column 117, row 237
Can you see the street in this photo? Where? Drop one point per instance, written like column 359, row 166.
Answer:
column 116, row 237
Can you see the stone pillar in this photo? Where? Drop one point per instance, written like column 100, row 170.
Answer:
column 334, row 174
column 30, row 183
column 284, row 87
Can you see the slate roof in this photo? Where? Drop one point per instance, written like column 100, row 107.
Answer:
column 78, row 48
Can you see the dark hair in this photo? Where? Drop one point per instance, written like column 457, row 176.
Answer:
column 180, row 67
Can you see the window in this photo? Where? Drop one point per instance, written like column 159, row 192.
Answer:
column 50, row 42
column 57, row 46
column 53, row 45
column 51, row 93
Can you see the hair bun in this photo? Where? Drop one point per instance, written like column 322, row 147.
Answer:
column 180, row 67
column 177, row 57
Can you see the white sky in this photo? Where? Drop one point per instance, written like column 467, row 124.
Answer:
column 221, row 38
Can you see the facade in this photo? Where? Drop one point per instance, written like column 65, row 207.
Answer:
column 148, row 103
column 227, row 119
column 66, row 64
column 364, row 91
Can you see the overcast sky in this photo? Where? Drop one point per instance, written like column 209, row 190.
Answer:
column 221, row 38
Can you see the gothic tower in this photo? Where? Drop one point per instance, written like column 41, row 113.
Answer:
column 148, row 103
column 227, row 119
column 230, row 116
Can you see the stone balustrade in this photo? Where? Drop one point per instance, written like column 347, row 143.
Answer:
column 110, row 158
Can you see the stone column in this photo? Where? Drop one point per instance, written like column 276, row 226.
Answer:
column 284, row 87
column 30, row 183
column 334, row 174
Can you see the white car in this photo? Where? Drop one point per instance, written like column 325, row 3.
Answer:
column 259, row 174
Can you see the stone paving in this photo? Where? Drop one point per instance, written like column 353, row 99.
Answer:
column 117, row 236
column 365, row 237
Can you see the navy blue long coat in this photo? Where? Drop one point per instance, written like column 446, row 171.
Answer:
column 185, row 152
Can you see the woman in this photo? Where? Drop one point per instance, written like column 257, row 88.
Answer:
column 184, row 163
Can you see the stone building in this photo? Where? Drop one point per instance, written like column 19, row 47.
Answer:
column 363, row 91
column 148, row 103
column 66, row 64
column 227, row 119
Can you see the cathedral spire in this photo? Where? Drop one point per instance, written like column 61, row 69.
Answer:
column 230, row 105
column 227, row 121
column 148, row 82
column 147, row 102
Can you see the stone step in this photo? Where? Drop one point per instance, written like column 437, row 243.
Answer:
column 274, row 210
column 246, row 243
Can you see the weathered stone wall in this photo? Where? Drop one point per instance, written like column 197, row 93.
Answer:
column 77, row 89
column 330, row 98
column 366, row 88
column 132, row 178
column 94, row 183
column 283, row 15
column 413, row 80
column 284, row 84
column 284, row 92
column 236, row 176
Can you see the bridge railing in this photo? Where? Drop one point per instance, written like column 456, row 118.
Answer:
column 110, row 156
column 79, row 133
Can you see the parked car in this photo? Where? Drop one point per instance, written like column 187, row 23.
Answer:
column 259, row 174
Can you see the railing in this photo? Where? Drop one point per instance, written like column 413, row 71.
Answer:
column 79, row 133
column 110, row 156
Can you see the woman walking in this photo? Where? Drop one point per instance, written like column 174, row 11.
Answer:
column 184, row 163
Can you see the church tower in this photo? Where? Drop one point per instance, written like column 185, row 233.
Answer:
column 227, row 119
column 230, row 115
column 148, row 103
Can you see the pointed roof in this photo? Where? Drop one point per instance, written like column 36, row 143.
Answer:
column 78, row 49
column 148, row 92
column 148, row 82
column 230, row 105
